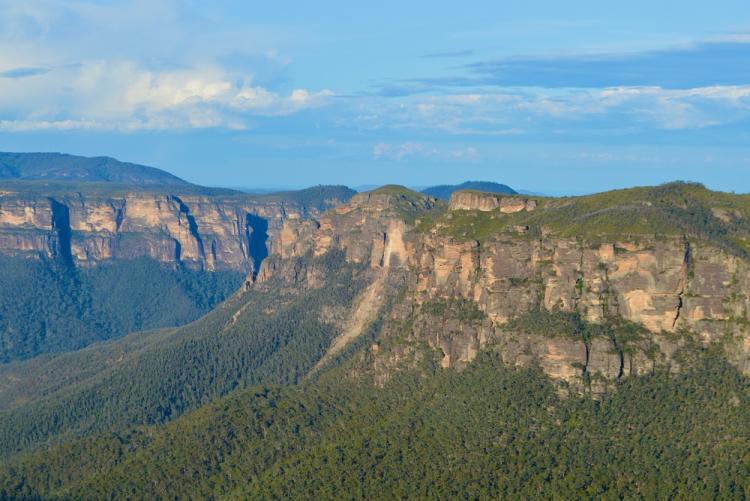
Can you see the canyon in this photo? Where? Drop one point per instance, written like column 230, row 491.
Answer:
column 633, row 281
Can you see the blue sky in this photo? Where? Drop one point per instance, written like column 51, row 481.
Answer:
column 554, row 97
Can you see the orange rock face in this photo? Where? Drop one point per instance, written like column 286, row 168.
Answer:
column 663, row 284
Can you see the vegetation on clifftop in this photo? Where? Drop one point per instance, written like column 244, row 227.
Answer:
column 320, row 197
column 673, row 209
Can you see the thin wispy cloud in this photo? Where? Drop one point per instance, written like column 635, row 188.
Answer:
column 23, row 72
column 724, row 62
column 449, row 54
column 403, row 151
column 386, row 91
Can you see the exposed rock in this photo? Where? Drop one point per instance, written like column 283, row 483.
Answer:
column 666, row 284
column 473, row 200
column 672, row 286
column 206, row 232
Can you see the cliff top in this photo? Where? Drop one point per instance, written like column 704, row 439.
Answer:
column 317, row 197
column 397, row 190
column 670, row 209
column 321, row 197
column 62, row 188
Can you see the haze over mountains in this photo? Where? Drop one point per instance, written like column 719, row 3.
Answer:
column 62, row 167
column 326, row 343
column 444, row 192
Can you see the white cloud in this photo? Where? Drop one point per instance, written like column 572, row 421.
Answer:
column 136, row 64
column 143, row 64
column 125, row 95
column 514, row 111
column 34, row 125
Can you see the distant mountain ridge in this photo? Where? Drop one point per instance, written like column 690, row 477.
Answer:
column 522, row 339
column 64, row 167
column 445, row 191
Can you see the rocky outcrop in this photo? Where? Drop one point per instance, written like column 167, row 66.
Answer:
column 474, row 200
column 456, row 296
column 674, row 288
column 200, row 231
column 370, row 229
column 667, row 286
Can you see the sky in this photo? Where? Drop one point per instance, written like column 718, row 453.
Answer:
column 542, row 95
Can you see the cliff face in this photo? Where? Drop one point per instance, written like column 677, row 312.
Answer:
column 473, row 200
column 462, row 295
column 204, row 232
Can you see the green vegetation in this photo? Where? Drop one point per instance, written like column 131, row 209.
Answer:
column 672, row 209
column 268, row 335
column 409, row 205
column 317, row 197
column 226, row 407
column 47, row 306
column 399, row 191
column 461, row 309
column 486, row 432
column 626, row 337
column 444, row 192
column 89, row 189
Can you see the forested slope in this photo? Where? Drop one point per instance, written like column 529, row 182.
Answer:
column 47, row 306
column 491, row 353
column 269, row 334
column 488, row 431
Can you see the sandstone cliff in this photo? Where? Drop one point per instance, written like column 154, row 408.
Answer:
column 463, row 294
column 474, row 200
column 202, row 231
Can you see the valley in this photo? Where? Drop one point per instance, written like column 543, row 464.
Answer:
column 376, row 335
column 105, row 259
column 374, row 251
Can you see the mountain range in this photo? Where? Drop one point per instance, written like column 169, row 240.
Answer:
column 379, row 344
column 445, row 191
column 58, row 166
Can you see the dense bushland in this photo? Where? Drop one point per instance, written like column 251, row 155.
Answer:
column 49, row 306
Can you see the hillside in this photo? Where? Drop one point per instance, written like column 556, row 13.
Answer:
column 62, row 167
column 444, row 192
column 47, row 306
column 320, row 198
column 486, row 432
column 671, row 209
column 271, row 333
column 533, row 358
column 64, row 246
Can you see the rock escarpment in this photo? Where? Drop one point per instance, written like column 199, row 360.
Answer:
column 474, row 200
column 651, row 294
column 201, row 231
